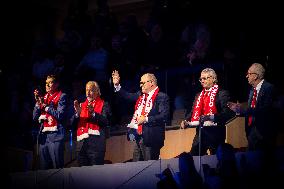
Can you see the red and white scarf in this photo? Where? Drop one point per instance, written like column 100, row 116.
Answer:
column 50, row 122
column 85, row 127
column 142, row 107
column 205, row 105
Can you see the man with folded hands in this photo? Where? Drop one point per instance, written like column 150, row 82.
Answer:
column 209, row 111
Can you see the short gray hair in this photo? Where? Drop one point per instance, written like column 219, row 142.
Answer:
column 258, row 69
column 211, row 73
column 152, row 77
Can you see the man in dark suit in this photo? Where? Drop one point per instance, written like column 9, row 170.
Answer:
column 49, row 111
column 151, row 114
column 260, row 114
column 210, row 111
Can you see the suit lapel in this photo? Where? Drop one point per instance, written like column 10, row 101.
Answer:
column 261, row 92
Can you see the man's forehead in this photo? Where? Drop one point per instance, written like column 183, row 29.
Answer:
column 144, row 77
column 90, row 87
column 49, row 80
column 204, row 73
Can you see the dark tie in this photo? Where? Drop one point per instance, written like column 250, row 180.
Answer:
column 253, row 103
column 143, row 113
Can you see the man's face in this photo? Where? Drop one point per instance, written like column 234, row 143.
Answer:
column 251, row 76
column 91, row 92
column 50, row 85
column 206, row 80
column 146, row 84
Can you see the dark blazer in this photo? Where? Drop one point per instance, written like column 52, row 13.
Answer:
column 263, row 115
column 154, row 130
column 59, row 114
column 214, row 135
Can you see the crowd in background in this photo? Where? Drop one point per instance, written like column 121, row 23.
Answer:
column 175, row 44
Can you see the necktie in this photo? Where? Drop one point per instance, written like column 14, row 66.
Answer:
column 253, row 103
column 139, row 130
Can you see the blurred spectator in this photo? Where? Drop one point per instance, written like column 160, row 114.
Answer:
column 93, row 65
column 226, row 174
column 188, row 175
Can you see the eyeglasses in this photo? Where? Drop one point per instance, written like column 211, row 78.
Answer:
column 204, row 78
column 143, row 83
column 249, row 73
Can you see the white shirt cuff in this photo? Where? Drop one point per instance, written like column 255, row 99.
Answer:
column 94, row 114
column 46, row 108
column 212, row 117
column 146, row 119
column 117, row 88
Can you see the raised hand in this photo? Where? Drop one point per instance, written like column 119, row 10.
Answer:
column 115, row 77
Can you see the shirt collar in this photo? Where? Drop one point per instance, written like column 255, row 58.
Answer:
column 152, row 92
column 259, row 85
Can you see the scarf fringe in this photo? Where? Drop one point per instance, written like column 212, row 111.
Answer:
column 206, row 123
column 52, row 128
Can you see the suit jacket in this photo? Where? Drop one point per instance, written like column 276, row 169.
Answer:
column 153, row 132
column 263, row 115
column 59, row 114
column 221, row 117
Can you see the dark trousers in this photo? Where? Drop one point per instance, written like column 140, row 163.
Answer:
column 51, row 155
column 145, row 153
column 91, row 152
column 211, row 138
column 256, row 140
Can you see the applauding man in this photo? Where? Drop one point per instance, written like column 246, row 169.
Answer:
column 92, row 119
column 50, row 110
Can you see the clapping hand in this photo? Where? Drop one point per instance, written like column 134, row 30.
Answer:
column 236, row 107
column 90, row 109
column 77, row 107
column 38, row 97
